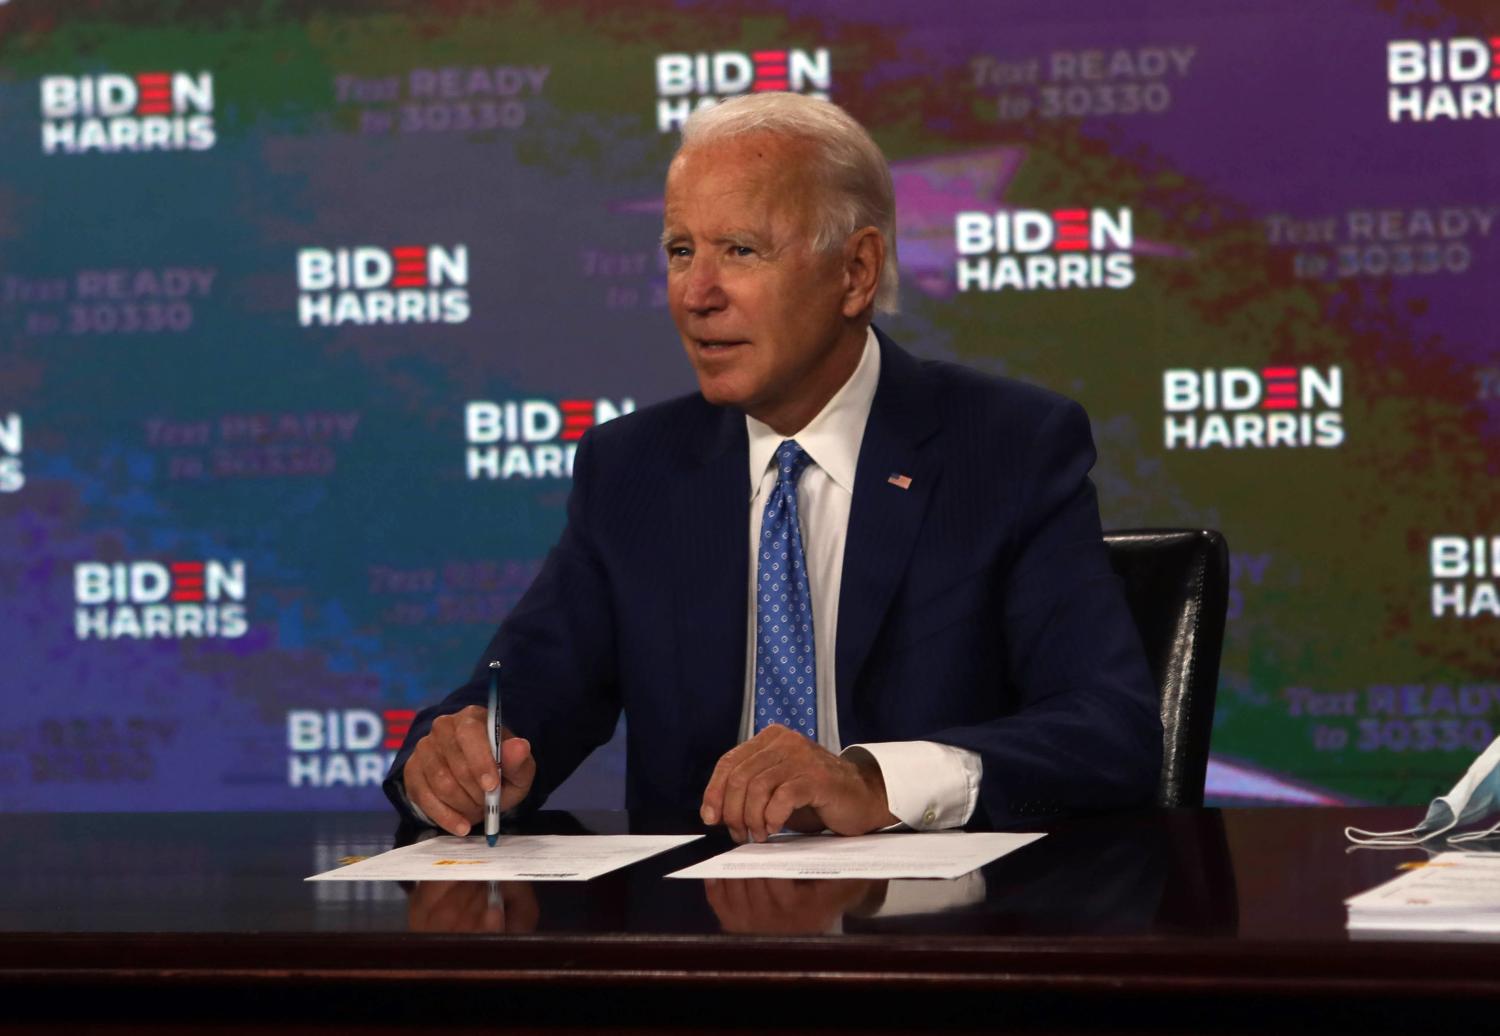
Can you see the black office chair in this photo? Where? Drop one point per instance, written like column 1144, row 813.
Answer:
column 1177, row 586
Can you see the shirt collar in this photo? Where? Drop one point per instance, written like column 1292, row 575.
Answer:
column 832, row 438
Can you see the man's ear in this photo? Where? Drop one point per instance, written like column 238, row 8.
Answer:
column 864, row 258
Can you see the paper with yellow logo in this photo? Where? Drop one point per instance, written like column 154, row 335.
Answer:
column 514, row 858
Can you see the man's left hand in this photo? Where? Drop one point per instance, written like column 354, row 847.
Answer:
column 780, row 778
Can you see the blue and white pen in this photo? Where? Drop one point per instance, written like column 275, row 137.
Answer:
column 492, row 798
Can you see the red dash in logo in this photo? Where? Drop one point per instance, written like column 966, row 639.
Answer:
column 1072, row 229
column 397, row 724
column 578, row 417
column 156, row 93
column 770, row 70
column 411, row 267
column 187, row 580
column 1281, row 388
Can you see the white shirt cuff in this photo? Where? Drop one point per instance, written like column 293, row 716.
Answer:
column 928, row 786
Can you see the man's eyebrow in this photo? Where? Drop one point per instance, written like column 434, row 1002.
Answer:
column 734, row 236
column 743, row 236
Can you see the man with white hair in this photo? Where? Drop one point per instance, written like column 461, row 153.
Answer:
column 830, row 544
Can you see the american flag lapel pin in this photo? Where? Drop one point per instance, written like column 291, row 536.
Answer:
column 899, row 481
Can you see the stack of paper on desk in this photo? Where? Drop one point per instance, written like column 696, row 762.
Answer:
column 1453, row 892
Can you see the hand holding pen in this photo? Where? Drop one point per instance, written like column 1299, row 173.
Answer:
column 492, row 725
column 454, row 768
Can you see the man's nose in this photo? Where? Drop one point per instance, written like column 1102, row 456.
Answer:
column 703, row 291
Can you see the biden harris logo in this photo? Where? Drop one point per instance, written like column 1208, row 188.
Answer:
column 1032, row 250
column 1464, row 575
column 155, row 600
column 1237, row 408
column 12, row 477
column 687, row 82
column 343, row 748
column 408, row 284
column 531, row 438
column 1434, row 80
column 112, row 113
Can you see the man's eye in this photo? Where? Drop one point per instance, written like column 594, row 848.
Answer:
column 678, row 251
column 742, row 250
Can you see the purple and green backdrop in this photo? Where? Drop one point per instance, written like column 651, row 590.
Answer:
column 304, row 306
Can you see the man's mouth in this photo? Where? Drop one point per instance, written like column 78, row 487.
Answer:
column 718, row 344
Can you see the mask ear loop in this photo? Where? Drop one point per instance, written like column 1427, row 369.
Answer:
column 1474, row 836
column 1409, row 836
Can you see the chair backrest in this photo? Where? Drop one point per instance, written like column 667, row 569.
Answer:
column 1177, row 586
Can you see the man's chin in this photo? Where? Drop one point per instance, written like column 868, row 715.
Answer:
column 721, row 391
column 718, row 396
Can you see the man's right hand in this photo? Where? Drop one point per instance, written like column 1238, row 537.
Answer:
column 451, row 768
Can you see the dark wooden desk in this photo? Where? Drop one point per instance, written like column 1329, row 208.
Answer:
column 1187, row 921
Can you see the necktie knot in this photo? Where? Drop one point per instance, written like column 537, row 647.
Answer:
column 791, row 461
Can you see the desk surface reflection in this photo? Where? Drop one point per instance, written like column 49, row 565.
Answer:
column 1220, row 919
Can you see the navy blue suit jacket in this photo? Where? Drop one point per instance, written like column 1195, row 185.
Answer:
column 978, row 607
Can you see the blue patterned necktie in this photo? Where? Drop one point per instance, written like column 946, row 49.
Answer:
column 785, row 666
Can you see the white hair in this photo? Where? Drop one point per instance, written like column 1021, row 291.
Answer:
column 847, row 164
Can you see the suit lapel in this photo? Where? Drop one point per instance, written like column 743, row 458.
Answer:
column 712, row 546
column 884, row 518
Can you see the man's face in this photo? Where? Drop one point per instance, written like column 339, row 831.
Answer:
column 760, row 314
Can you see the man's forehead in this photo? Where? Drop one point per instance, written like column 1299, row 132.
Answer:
column 756, row 157
column 757, row 170
column 766, row 143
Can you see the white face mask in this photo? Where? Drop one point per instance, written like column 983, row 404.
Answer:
column 1476, row 795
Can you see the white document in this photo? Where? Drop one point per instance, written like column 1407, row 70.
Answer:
column 514, row 858
column 1453, row 892
column 941, row 854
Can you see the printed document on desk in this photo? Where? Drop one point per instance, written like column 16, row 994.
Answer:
column 1452, row 892
column 514, row 858
column 941, row 854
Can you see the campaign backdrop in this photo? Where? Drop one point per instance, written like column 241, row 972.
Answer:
column 305, row 306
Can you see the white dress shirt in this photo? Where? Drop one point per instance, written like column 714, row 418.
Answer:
column 928, row 786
